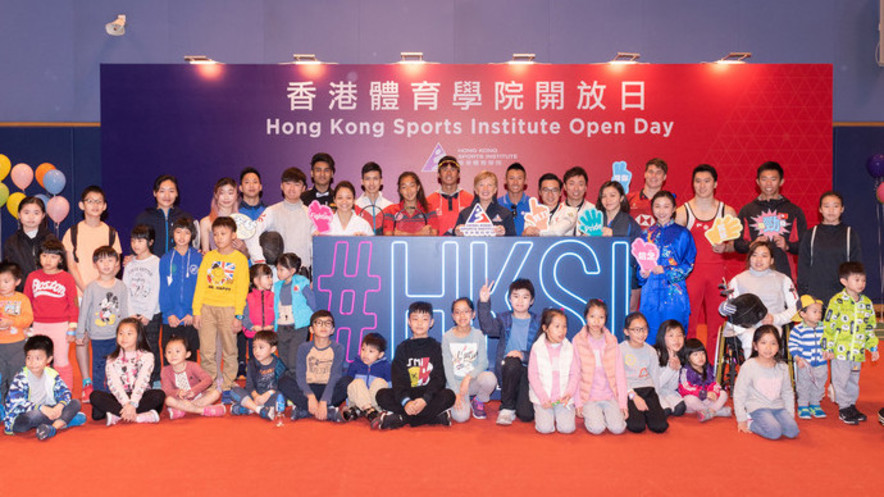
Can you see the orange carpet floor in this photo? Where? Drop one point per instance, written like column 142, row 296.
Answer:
column 250, row 456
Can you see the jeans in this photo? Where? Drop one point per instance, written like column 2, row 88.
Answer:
column 34, row 418
column 100, row 350
column 773, row 423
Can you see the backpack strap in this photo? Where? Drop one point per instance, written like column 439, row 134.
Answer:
column 848, row 243
column 812, row 238
column 111, row 235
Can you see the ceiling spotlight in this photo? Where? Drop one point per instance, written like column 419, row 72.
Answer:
column 411, row 58
column 199, row 59
column 522, row 58
column 117, row 27
column 734, row 58
column 625, row 58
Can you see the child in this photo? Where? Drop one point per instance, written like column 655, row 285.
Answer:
column 292, row 307
column 775, row 290
column 187, row 386
column 811, row 369
column 258, row 314
column 418, row 396
column 105, row 303
column 16, row 316
column 642, row 378
column 218, row 303
column 763, row 398
column 553, row 375
column 601, row 397
column 22, row 247
column 516, row 332
column 38, row 398
column 178, row 275
column 849, row 331
column 319, row 386
column 53, row 295
column 81, row 241
column 697, row 385
column 466, row 364
column 128, row 378
column 824, row 248
column 370, row 373
column 664, row 294
column 345, row 221
column 142, row 278
column 262, row 377
column 670, row 342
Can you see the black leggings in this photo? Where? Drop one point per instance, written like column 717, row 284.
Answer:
column 514, row 389
column 654, row 418
column 443, row 400
column 104, row 403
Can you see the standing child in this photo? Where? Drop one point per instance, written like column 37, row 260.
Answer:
column 218, row 303
column 53, row 295
column 670, row 342
column 516, row 332
column 601, row 398
column 319, row 386
column 641, row 365
column 178, row 275
column 811, row 369
column 696, row 383
column 292, row 308
column 142, row 278
column 187, row 386
column 105, row 303
column 81, row 241
column 22, row 247
column 370, row 374
column 258, row 314
column 466, row 364
column 664, row 294
column 16, row 316
column 128, row 377
column 763, row 398
column 849, row 332
column 553, row 375
column 262, row 379
column 418, row 396
column 38, row 398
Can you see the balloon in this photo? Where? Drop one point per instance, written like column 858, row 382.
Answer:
column 5, row 165
column 22, row 175
column 44, row 198
column 13, row 201
column 881, row 193
column 54, row 181
column 4, row 194
column 58, row 208
column 875, row 165
column 42, row 169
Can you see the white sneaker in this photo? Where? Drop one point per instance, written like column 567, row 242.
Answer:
column 112, row 419
column 506, row 417
column 148, row 417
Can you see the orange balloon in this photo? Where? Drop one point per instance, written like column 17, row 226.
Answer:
column 42, row 169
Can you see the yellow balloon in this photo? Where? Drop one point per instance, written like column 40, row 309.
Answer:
column 13, row 201
column 5, row 166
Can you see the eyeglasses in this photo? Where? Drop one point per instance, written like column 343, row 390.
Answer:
column 93, row 201
column 324, row 323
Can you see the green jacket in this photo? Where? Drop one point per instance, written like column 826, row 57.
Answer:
column 849, row 328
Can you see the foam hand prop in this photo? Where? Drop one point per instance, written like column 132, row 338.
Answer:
column 321, row 215
column 621, row 174
column 537, row 216
column 590, row 222
column 724, row 229
column 646, row 253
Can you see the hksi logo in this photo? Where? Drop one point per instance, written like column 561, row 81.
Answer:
column 48, row 289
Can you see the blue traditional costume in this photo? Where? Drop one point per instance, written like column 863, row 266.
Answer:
column 665, row 296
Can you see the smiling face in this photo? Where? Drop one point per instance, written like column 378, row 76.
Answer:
column 769, row 182
column 761, row 259
column 575, row 189
column 462, row 314
column 225, row 196
column 182, row 237
column 767, row 346
column 704, row 184
column 550, row 192
column 637, row 332
column 292, row 190
column 371, row 182
column 486, row 189
column 166, row 194
column 521, row 300
column 611, row 199
column 654, row 177
column 449, row 175
column 176, row 353
column 674, row 340
column 515, row 182
column 322, row 327
column 663, row 209
column 251, row 186
column 344, row 199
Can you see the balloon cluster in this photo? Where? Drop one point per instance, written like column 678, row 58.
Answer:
column 50, row 178
column 875, row 166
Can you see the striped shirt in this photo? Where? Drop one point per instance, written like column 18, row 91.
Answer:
column 804, row 342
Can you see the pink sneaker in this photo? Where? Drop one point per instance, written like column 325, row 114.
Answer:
column 176, row 413
column 214, row 411
column 148, row 417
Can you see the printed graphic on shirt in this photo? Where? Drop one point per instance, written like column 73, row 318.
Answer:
column 319, row 364
column 140, row 283
column 49, row 288
column 419, row 369
column 108, row 310
column 463, row 356
column 220, row 275
column 12, row 308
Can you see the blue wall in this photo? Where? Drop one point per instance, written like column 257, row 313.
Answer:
column 52, row 48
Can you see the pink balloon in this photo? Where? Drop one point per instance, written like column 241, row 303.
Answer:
column 57, row 209
column 22, row 175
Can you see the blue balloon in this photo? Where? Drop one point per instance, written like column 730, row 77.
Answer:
column 54, row 181
column 43, row 197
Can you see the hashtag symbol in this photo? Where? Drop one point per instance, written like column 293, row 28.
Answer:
column 342, row 287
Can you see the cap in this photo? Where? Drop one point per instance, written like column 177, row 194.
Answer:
column 803, row 303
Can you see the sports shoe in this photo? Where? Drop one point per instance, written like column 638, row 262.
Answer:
column 226, row 397
column 84, row 395
column 881, row 416
column 241, row 371
column 847, row 416
column 351, row 414
column 705, row 415
column 45, row 432
column 298, row 413
column 157, row 385
column 238, row 410
column 214, row 411
column 334, row 415
column 858, row 414
column 78, row 420
column 267, row 412
column 148, row 417
column 372, row 415
column 478, row 408
column 176, row 413
column 444, row 418
column 724, row 412
column 506, row 417
column 112, row 419
column 817, row 411
column 804, row 412
column 391, row 421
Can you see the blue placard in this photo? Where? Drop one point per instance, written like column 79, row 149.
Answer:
column 368, row 282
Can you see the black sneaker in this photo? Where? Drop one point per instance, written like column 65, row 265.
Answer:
column 335, row 416
column 391, row 421
column 371, row 416
column 857, row 414
column 444, row 418
column 241, row 371
column 881, row 416
column 352, row 413
column 848, row 416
